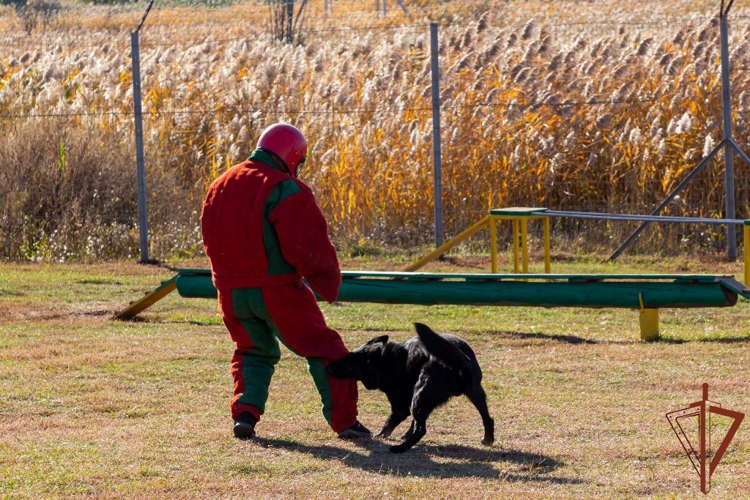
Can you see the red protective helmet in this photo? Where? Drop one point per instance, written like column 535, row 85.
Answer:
column 287, row 144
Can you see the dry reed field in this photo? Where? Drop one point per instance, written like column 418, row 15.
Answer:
column 600, row 106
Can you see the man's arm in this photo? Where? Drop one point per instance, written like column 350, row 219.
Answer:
column 304, row 242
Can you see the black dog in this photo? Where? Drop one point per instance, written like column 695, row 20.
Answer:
column 419, row 375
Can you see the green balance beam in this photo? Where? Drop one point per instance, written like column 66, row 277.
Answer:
column 647, row 293
column 593, row 291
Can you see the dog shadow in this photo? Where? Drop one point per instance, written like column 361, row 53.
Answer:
column 575, row 340
column 568, row 339
column 432, row 461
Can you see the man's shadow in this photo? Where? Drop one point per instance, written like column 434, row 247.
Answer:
column 453, row 461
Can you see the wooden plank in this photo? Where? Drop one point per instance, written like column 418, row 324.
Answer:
column 150, row 299
column 736, row 286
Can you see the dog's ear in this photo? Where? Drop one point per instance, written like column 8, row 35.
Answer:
column 378, row 340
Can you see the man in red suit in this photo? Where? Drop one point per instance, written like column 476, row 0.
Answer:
column 263, row 233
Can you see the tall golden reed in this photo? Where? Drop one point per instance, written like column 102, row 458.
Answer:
column 543, row 104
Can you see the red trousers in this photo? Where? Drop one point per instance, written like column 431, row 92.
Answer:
column 257, row 318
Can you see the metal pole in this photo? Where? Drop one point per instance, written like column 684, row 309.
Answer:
column 139, row 156
column 726, row 97
column 384, row 13
column 325, row 9
column 436, row 152
column 739, row 151
column 666, row 201
column 403, row 7
column 289, row 15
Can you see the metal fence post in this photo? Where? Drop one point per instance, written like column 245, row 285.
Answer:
column 289, row 16
column 726, row 97
column 437, row 156
column 139, row 156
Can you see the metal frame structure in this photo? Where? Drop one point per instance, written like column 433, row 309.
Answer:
column 138, row 131
column 521, row 216
column 649, row 316
column 728, row 144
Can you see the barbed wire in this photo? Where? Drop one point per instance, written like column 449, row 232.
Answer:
column 339, row 111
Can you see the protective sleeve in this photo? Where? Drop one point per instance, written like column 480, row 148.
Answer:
column 304, row 242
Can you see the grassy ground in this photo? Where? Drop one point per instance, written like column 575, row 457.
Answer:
column 94, row 408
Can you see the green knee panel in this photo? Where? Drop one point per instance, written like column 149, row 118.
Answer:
column 258, row 364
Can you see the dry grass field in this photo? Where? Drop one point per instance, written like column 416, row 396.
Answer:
column 602, row 106
column 94, row 408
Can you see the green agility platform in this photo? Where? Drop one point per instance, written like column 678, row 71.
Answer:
column 646, row 293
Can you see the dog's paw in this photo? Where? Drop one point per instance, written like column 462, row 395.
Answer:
column 398, row 449
column 487, row 441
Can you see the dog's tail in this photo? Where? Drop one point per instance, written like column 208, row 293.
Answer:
column 443, row 349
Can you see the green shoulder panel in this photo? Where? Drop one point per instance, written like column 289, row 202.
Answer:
column 277, row 264
column 266, row 158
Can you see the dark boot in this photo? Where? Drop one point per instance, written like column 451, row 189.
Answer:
column 355, row 431
column 244, row 426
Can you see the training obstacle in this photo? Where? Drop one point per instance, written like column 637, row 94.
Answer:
column 645, row 293
column 520, row 217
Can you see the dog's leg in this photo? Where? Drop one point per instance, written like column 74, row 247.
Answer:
column 409, row 433
column 427, row 397
column 393, row 421
column 417, row 430
column 478, row 397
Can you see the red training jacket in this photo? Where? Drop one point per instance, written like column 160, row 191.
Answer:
column 261, row 227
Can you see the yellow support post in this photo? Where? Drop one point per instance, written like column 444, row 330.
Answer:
column 649, row 320
column 547, row 260
column 525, row 245
column 493, row 243
column 515, row 246
column 449, row 244
column 522, row 215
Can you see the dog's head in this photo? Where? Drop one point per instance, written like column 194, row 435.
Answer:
column 362, row 364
